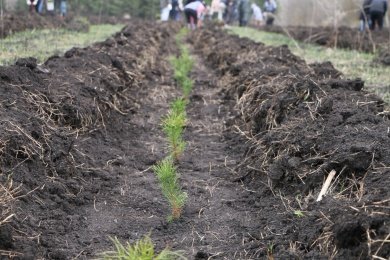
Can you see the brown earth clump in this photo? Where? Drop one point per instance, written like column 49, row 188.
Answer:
column 51, row 116
column 301, row 121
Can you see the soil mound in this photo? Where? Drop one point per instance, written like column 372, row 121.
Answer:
column 18, row 22
column 53, row 144
column 301, row 121
column 341, row 37
column 12, row 23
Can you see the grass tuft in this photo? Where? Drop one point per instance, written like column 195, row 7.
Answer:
column 167, row 175
column 141, row 250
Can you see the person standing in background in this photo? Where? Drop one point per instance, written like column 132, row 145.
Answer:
column 365, row 15
column 244, row 12
column 174, row 13
column 50, row 7
column 217, row 9
column 257, row 14
column 230, row 11
column 63, row 8
column 193, row 12
column 31, row 4
column 378, row 9
column 39, row 6
column 270, row 7
column 165, row 7
column 57, row 4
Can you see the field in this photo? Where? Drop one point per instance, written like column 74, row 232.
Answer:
column 82, row 133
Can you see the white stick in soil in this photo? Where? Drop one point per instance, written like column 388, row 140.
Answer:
column 326, row 185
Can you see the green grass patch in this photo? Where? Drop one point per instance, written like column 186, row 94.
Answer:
column 167, row 175
column 141, row 250
column 352, row 63
column 44, row 43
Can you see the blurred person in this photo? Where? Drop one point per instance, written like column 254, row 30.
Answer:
column 230, row 11
column 63, row 8
column 193, row 12
column 378, row 9
column 57, row 6
column 365, row 15
column 257, row 14
column 244, row 12
column 165, row 6
column 50, row 7
column 39, row 6
column 174, row 14
column 270, row 7
column 31, row 4
column 217, row 9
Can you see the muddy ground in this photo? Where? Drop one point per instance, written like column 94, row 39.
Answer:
column 80, row 133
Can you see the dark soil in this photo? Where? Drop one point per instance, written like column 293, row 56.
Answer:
column 302, row 121
column 341, row 37
column 80, row 133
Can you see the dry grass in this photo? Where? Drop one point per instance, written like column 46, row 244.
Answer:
column 8, row 194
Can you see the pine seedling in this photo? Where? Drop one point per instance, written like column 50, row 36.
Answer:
column 180, row 72
column 168, row 178
column 178, row 106
column 185, row 60
column 187, row 86
column 175, row 119
column 180, row 76
column 141, row 250
column 182, row 67
column 173, row 126
column 180, row 36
